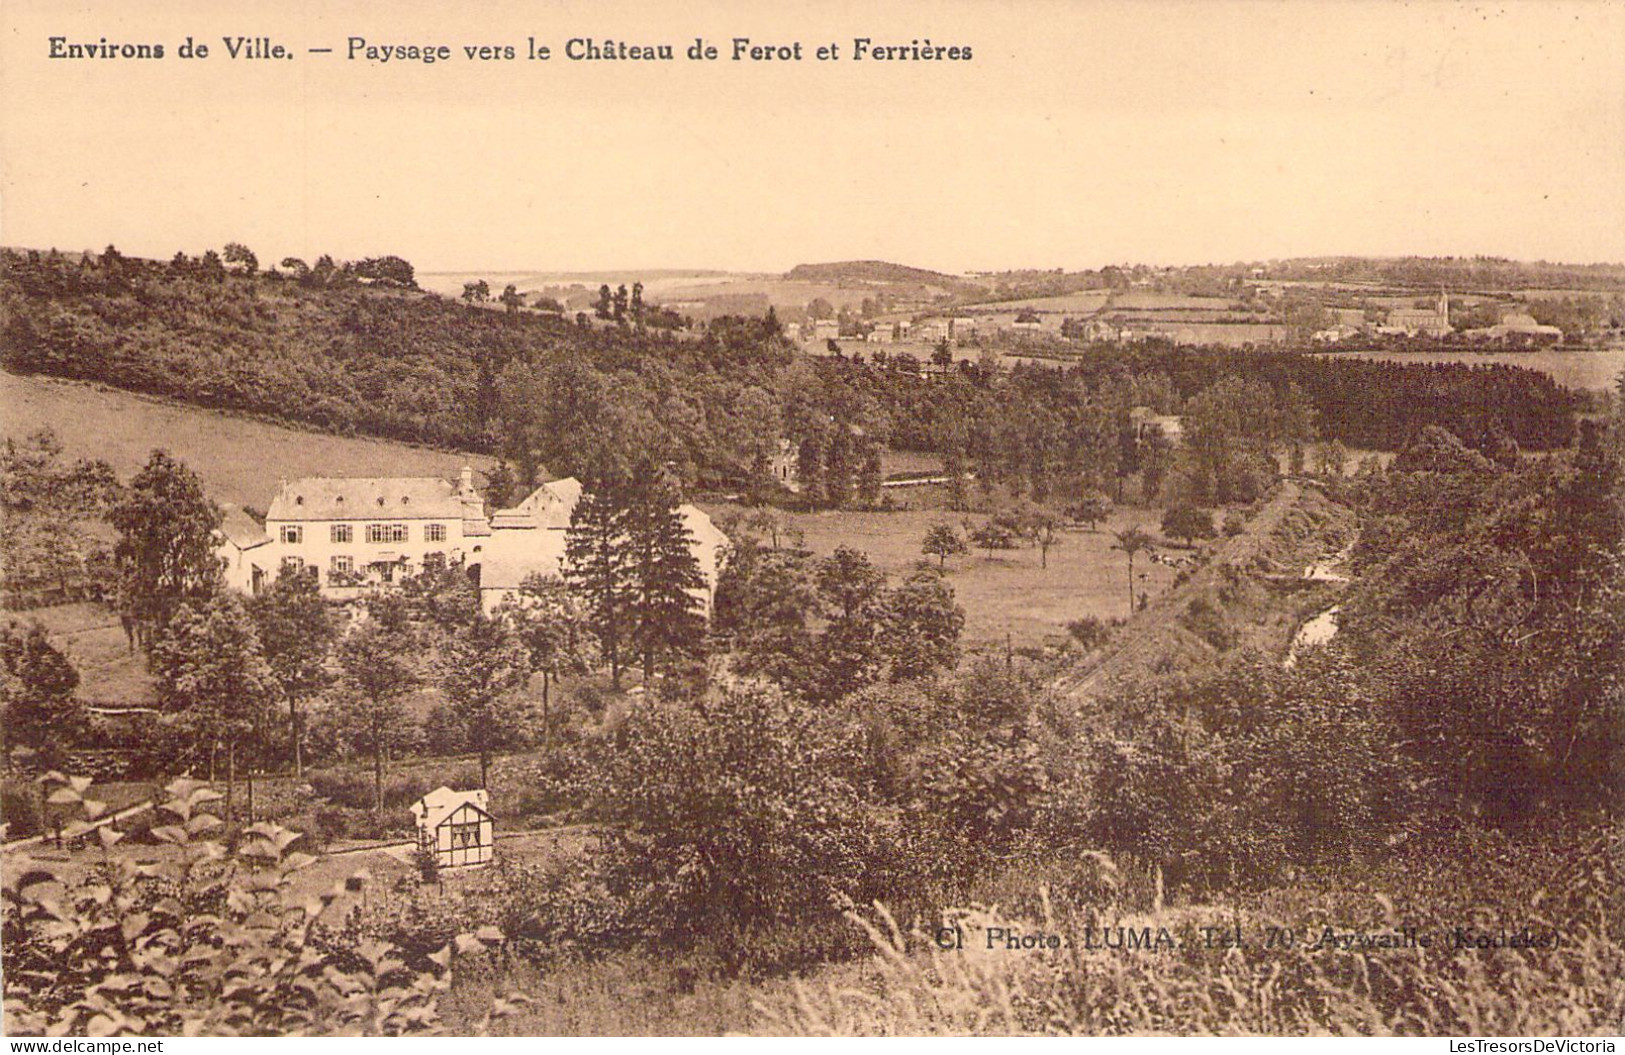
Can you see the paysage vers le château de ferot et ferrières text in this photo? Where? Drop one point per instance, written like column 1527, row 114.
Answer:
column 369, row 51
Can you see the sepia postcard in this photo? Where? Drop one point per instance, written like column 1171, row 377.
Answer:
column 964, row 518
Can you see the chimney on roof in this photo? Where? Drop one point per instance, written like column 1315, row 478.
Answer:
column 465, row 486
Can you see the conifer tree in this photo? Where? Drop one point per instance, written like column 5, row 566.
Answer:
column 664, row 613
column 596, row 557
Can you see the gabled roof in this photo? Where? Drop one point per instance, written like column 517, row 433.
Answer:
column 367, row 498
column 242, row 530
column 432, row 809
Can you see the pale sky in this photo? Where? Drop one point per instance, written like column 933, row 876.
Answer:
column 1080, row 134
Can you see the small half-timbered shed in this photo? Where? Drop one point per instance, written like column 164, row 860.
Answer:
column 456, row 826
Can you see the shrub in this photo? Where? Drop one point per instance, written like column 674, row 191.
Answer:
column 1090, row 632
column 20, row 809
column 1208, row 623
column 738, row 811
column 204, row 942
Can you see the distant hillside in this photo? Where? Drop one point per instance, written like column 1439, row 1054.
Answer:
column 873, row 271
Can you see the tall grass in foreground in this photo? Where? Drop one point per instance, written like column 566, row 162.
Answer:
column 1574, row 989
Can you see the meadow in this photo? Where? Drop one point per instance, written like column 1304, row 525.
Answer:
column 240, row 459
column 1008, row 595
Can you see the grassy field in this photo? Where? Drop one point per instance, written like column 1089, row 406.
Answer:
column 109, row 673
column 1008, row 592
column 239, row 459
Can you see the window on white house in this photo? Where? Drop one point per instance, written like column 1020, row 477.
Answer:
column 340, row 533
column 386, row 533
column 342, row 564
column 465, row 836
column 434, row 533
column 292, row 565
column 293, row 533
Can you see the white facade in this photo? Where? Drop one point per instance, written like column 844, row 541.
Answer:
column 456, row 826
column 353, row 532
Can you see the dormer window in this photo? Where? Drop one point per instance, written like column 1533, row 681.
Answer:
column 298, row 500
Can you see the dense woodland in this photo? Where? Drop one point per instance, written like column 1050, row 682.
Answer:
column 324, row 348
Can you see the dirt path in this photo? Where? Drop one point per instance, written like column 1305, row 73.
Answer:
column 1136, row 644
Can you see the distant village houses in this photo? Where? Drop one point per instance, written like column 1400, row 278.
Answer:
column 354, row 534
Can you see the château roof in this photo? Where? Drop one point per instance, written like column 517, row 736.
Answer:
column 242, row 530
column 367, row 498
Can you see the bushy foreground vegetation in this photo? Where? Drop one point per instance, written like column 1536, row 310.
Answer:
column 207, row 940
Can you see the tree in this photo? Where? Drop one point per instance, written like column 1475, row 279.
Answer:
column 377, row 661
column 765, row 600
column 238, row 253
column 596, row 566
column 477, row 292
column 484, row 662
column 853, row 592
column 604, row 306
column 942, row 542
column 324, row 271
column 553, row 625
column 41, row 713
column 386, row 271
column 298, row 267
column 165, row 549
column 1044, row 529
column 942, row 355
column 49, row 514
column 1131, row 541
column 211, row 268
column 993, row 535
column 1187, row 522
column 1091, row 508
column 1330, row 458
column 870, row 474
column 922, row 625
column 211, row 672
column 296, row 633
column 511, row 300
column 664, row 610
column 619, row 303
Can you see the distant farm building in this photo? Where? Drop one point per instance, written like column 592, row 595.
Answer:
column 456, row 827
column 1517, row 328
